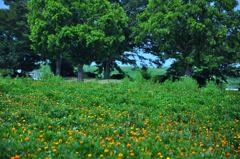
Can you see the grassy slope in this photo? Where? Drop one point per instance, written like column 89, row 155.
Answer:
column 59, row 119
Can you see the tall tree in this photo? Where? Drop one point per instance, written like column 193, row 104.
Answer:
column 114, row 24
column 46, row 18
column 15, row 51
column 203, row 36
column 131, row 8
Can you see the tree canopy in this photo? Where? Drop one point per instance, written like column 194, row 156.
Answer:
column 15, row 52
column 203, row 36
column 83, row 31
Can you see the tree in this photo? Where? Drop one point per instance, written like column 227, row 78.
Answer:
column 132, row 9
column 114, row 24
column 15, row 51
column 83, row 30
column 46, row 19
column 80, row 41
column 203, row 36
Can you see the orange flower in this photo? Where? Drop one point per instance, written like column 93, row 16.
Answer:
column 106, row 150
column 128, row 145
column 227, row 155
column 15, row 157
column 26, row 139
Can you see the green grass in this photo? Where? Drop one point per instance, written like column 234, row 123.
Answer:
column 59, row 119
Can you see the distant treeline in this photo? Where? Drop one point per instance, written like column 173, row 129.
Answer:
column 203, row 36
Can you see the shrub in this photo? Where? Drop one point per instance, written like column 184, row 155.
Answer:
column 5, row 72
column 45, row 72
column 145, row 73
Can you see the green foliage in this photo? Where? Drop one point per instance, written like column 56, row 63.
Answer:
column 211, row 88
column 77, row 120
column 184, row 84
column 83, row 31
column 45, row 20
column 145, row 73
column 201, row 35
column 45, row 72
column 15, row 52
column 5, row 72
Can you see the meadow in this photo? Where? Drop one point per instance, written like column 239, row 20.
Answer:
column 130, row 119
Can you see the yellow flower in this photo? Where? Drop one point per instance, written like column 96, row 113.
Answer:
column 120, row 155
column 89, row 155
column 132, row 154
column 81, row 142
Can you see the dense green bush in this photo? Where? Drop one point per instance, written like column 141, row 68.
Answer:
column 45, row 72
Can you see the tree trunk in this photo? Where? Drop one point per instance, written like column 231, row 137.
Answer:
column 80, row 72
column 188, row 71
column 107, row 70
column 58, row 64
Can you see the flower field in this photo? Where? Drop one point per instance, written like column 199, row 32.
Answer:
column 68, row 120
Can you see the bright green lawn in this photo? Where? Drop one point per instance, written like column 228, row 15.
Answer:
column 59, row 119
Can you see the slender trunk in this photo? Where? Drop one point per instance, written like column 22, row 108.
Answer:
column 80, row 72
column 58, row 64
column 188, row 71
column 107, row 70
